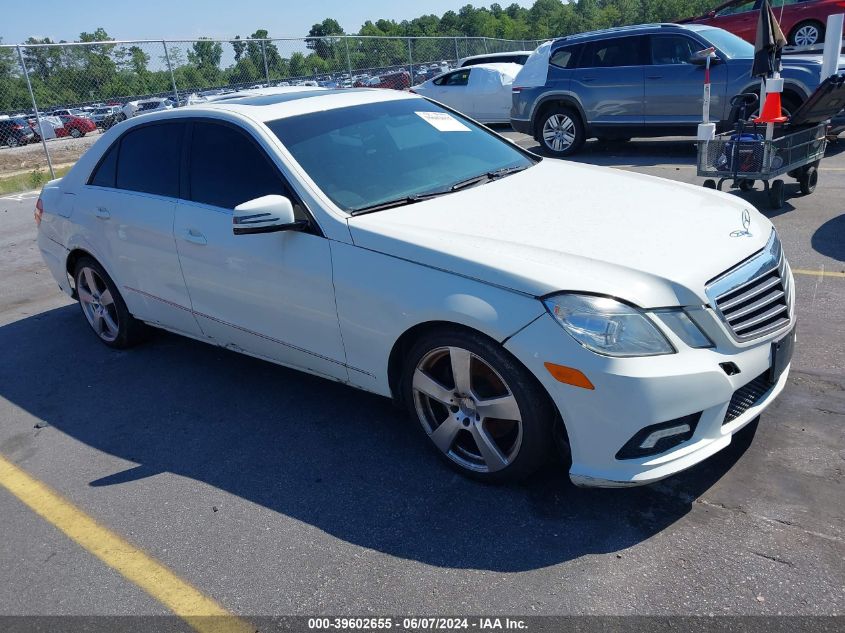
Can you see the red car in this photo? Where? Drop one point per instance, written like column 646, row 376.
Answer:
column 397, row 81
column 75, row 126
column 802, row 21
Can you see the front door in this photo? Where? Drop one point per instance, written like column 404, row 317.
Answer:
column 674, row 88
column 270, row 295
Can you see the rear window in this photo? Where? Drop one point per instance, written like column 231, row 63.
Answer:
column 622, row 51
column 105, row 173
column 149, row 159
column 565, row 57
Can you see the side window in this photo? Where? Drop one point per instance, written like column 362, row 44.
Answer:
column 227, row 168
column 149, row 159
column 105, row 173
column 622, row 51
column 457, row 78
column 564, row 57
column 672, row 49
column 738, row 7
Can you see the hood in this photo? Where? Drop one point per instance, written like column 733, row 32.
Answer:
column 566, row 226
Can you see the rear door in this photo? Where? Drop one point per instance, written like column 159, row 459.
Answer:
column 609, row 80
column 131, row 198
column 674, row 87
column 271, row 294
column 490, row 96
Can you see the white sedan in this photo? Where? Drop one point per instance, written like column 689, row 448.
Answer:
column 511, row 303
column 482, row 92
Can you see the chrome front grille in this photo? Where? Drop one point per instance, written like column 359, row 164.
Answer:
column 753, row 298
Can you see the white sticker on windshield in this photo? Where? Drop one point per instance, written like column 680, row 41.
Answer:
column 443, row 121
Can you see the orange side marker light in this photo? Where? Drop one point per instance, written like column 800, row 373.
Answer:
column 569, row 376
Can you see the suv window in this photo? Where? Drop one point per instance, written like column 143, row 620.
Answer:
column 457, row 78
column 149, row 159
column 672, row 49
column 104, row 175
column 565, row 57
column 227, row 168
column 620, row 51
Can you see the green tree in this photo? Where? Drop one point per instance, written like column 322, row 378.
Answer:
column 318, row 38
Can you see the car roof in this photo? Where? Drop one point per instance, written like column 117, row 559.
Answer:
column 505, row 68
column 634, row 29
column 284, row 102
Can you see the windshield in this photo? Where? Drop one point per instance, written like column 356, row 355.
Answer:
column 731, row 45
column 365, row 155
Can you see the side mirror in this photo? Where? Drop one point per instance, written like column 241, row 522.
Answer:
column 266, row 214
column 711, row 14
column 700, row 60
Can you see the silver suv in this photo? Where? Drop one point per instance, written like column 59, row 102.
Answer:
column 643, row 81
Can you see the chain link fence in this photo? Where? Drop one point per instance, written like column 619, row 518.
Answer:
column 55, row 99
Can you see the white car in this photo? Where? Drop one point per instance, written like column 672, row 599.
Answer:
column 482, row 92
column 144, row 106
column 374, row 238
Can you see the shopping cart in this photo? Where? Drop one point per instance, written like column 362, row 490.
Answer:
column 744, row 155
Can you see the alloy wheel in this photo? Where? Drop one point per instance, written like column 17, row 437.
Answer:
column 467, row 409
column 97, row 304
column 807, row 35
column 559, row 132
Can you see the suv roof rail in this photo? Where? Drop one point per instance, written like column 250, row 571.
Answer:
column 620, row 29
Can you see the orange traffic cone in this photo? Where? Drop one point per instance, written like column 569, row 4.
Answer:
column 771, row 110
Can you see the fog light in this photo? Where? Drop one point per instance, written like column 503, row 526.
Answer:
column 659, row 438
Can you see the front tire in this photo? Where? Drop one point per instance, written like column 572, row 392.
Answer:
column 103, row 306
column 482, row 411
column 561, row 132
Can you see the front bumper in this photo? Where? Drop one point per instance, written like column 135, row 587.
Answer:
column 633, row 393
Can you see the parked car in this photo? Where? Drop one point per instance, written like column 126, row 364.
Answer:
column 509, row 302
column 104, row 117
column 512, row 57
column 143, row 106
column 75, row 126
column 69, row 112
column 803, row 21
column 482, row 92
column 400, row 80
column 640, row 81
column 15, row 131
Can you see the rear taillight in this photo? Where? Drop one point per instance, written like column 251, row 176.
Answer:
column 516, row 89
column 39, row 211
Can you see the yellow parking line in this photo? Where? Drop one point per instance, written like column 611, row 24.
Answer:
column 818, row 273
column 200, row 612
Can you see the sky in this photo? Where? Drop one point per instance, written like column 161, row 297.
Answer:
column 189, row 19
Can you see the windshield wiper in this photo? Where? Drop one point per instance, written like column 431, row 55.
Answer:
column 419, row 197
column 400, row 202
column 489, row 176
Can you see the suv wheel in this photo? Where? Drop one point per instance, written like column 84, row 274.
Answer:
column 561, row 132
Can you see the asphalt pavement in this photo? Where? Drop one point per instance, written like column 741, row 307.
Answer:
column 277, row 493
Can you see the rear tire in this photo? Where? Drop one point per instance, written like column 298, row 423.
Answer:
column 479, row 439
column 807, row 33
column 103, row 306
column 776, row 194
column 561, row 132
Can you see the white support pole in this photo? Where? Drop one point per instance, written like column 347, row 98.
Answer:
column 830, row 58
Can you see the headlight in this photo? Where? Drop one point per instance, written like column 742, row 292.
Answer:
column 684, row 327
column 607, row 326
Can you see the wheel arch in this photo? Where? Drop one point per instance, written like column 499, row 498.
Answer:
column 410, row 336
column 791, row 91
column 549, row 101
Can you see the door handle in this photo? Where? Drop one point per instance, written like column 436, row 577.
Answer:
column 588, row 79
column 194, row 237
column 102, row 213
column 655, row 77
